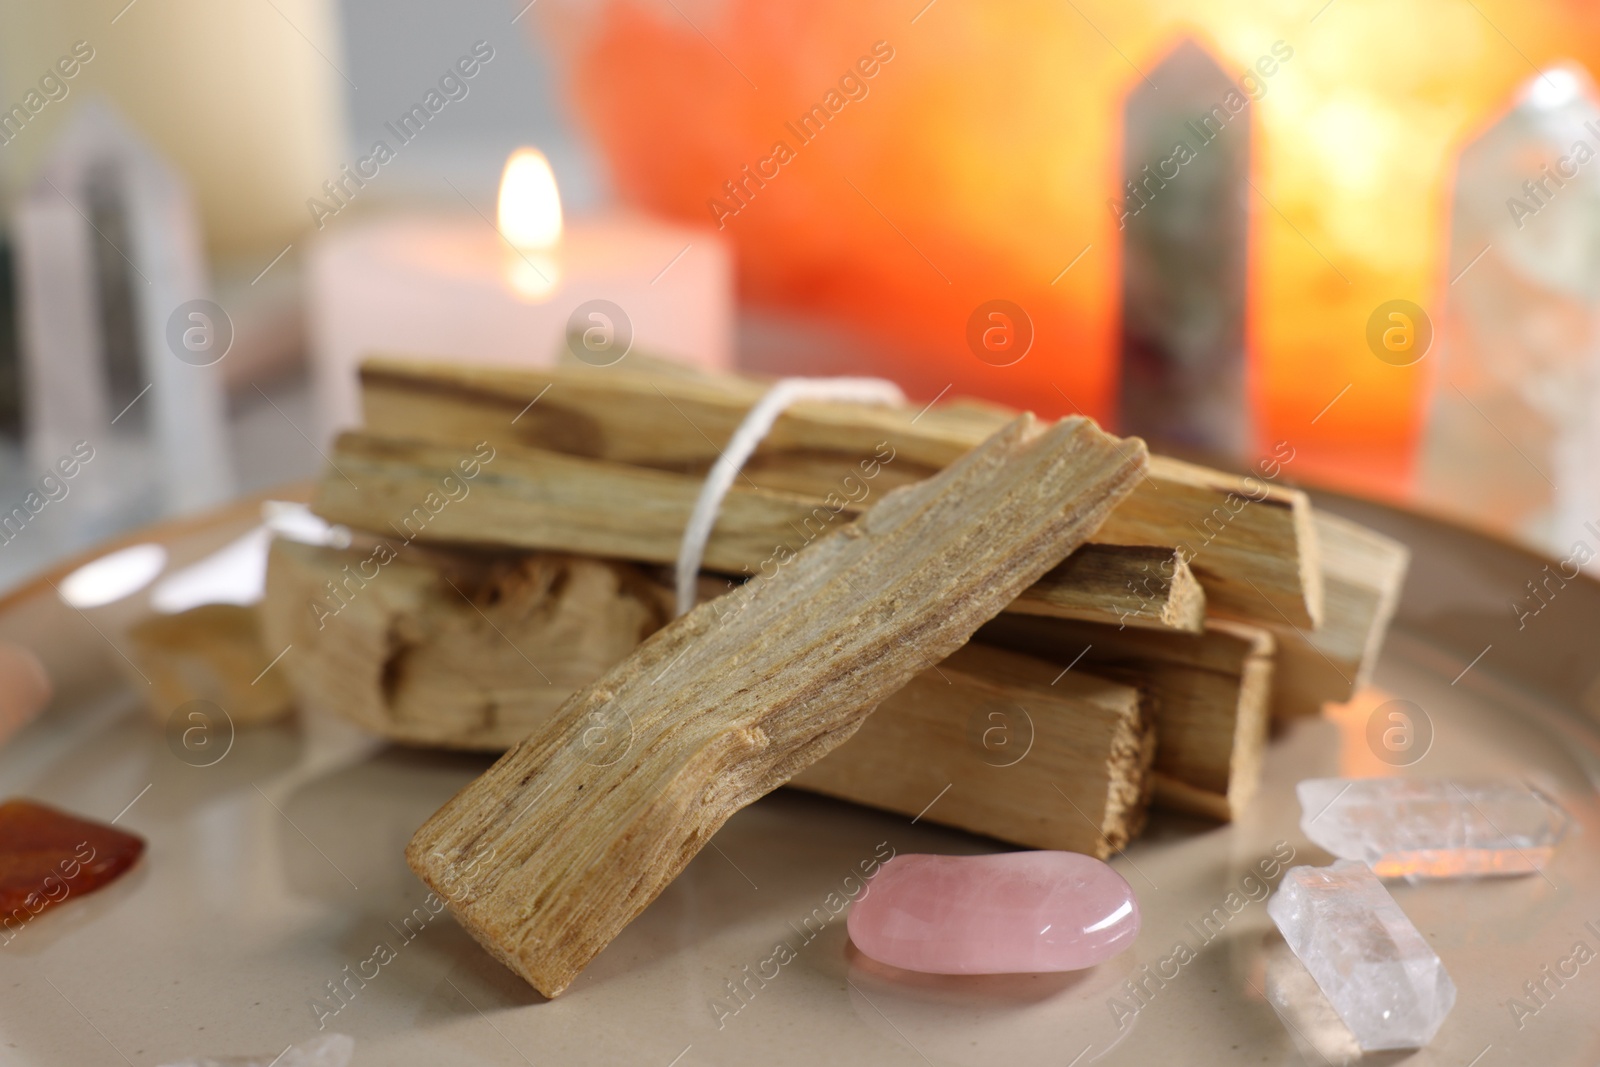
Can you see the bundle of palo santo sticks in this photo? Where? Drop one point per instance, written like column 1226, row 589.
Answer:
column 513, row 535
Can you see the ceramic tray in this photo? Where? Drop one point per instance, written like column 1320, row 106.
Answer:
column 278, row 870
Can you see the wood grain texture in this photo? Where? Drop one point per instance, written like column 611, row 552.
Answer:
column 1123, row 585
column 548, row 855
column 1250, row 542
column 1362, row 574
column 215, row 653
column 460, row 650
column 452, row 649
column 987, row 743
column 532, row 499
column 1208, row 693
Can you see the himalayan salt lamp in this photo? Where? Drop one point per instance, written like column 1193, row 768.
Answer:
column 976, row 164
column 1011, row 913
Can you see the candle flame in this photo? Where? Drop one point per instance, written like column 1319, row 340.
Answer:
column 530, row 205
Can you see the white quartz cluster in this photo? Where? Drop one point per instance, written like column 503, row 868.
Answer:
column 1428, row 828
column 1373, row 965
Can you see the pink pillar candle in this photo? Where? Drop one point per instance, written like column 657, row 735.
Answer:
column 455, row 289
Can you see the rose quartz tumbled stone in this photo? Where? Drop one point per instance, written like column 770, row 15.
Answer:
column 1016, row 912
column 24, row 688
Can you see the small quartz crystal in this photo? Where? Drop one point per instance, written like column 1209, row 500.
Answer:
column 1427, row 828
column 1011, row 913
column 1383, row 979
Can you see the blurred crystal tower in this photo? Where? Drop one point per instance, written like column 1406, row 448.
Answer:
column 113, row 284
column 1185, row 164
column 1514, row 431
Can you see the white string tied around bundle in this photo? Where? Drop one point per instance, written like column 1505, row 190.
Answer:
column 751, row 432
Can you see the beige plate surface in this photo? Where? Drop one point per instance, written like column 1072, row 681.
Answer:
column 275, row 869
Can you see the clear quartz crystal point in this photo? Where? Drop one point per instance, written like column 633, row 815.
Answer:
column 1372, row 964
column 1512, row 432
column 1430, row 828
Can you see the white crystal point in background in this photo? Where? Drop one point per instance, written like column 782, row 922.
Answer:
column 324, row 1050
column 1387, row 985
column 1430, row 828
column 1517, row 379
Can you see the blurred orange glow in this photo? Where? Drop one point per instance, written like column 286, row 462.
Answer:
column 1460, row 862
column 1357, row 758
column 977, row 164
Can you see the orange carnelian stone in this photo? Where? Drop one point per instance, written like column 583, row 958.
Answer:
column 47, row 856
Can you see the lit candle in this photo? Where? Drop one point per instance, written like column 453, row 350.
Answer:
column 529, row 210
column 514, row 292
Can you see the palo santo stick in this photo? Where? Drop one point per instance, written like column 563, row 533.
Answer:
column 213, row 652
column 1006, row 752
column 1251, row 543
column 643, row 419
column 989, row 724
column 548, row 855
column 455, row 649
column 1208, row 693
column 1123, row 585
column 1362, row 572
column 532, row 499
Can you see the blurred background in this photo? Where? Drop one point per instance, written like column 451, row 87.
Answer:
column 1349, row 243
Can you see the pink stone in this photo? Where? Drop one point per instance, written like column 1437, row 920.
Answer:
column 1015, row 912
column 24, row 688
